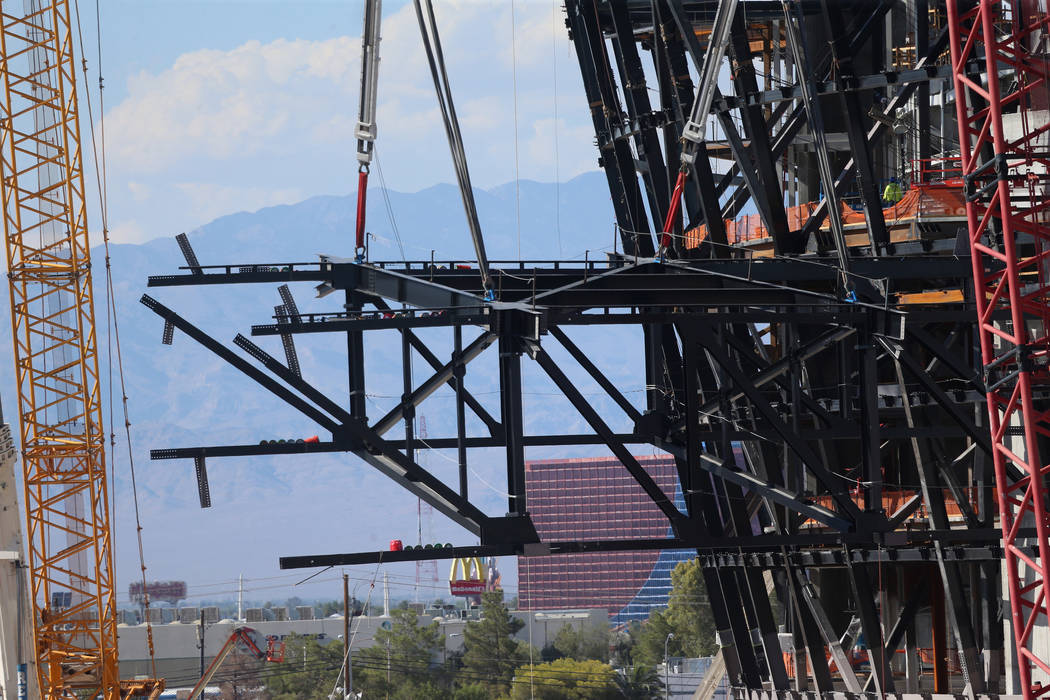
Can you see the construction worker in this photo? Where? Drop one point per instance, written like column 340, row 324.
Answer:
column 892, row 194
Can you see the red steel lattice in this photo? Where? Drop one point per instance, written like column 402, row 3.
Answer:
column 1000, row 68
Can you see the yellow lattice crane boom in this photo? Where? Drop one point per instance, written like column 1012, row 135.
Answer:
column 56, row 357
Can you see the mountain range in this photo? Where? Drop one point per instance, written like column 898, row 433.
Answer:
column 182, row 395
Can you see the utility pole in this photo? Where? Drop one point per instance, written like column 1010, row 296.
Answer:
column 200, row 639
column 348, row 674
column 667, row 680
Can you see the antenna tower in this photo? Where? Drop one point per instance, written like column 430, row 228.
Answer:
column 426, row 571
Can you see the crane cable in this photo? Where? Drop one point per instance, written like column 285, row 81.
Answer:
column 554, row 81
column 514, row 83
column 347, row 655
column 98, row 149
column 436, row 59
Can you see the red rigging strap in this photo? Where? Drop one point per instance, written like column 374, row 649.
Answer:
column 362, row 192
column 365, row 131
column 695, row 130
column 672, row 211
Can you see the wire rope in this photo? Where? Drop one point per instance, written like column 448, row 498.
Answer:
column 557, row 156
column 514, row 90
column 436, row 60
column 98, row 148
column 387, row 204
column 347, row 656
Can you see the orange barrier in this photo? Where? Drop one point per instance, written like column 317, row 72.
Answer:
column 926, row 657
column 920, row 202
column 858, row 659
column 893, row 500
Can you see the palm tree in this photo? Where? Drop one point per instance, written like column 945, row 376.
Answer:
column 639, row 683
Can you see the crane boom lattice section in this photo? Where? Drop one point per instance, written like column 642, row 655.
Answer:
column 52, row 311
column 1003, row 135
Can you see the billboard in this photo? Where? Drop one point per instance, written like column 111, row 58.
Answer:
column 162, row 591
column 465, row 588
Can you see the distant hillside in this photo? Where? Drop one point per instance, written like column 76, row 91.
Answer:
column 182, row 395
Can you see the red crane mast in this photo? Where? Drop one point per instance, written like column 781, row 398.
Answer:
column 1000, row 67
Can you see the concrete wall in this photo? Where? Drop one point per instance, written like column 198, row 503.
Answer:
column 178, row 654
column 541, row 626
column 13, row 580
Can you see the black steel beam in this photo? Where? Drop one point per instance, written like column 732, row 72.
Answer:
column 615, row 157
column 443, row 376
column 392, row 320
column 364, row 442
column 513, row 421
column 240, row 363
column 856, row 120
column 431, row 359
column 636, row 97
column 875, row 132
column 760, row 149
column 959, row 416
column 596, row 374
column 805, row 453
column 860, row 83
column 655, row 493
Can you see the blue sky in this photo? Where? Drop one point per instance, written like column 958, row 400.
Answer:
column 218, row 106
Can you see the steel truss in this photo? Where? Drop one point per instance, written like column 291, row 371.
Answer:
column 730, row 385
column 865, row 495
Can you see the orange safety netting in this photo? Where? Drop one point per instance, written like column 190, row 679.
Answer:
column 920, row 202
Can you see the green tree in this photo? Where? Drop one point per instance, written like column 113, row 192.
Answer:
column 649, row 647
column 586, row 642
column 335, row 607
column 622, row 645
column 411, row 690
column 471, row 691
column 549, row 653
column 689, row 611
column 687, row 616
column 566, row 679
column 405, row 654
column 640, row 683
column 308, row 672
column 490, row 651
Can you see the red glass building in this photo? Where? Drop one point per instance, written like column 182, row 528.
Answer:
column 596, row 498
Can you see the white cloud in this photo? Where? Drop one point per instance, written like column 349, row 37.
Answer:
column 565, row 156
column 210, row 200
column 223, row 104
column 223, row 131
column 138, row 190
column 124, row 232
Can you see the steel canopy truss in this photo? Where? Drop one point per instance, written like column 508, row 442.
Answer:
column 834, row 456
column 1005, row 149
column 730, row 385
